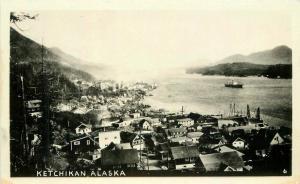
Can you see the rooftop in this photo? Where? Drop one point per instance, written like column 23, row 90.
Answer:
column 119, row 157
column 184, row 152
column 231, row 159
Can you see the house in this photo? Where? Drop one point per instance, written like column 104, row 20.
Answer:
column 239, row 143
column 105, row 123
column 175, row 132
column 264, row 140
column 82, row 144
column 180, row 140
column 227, row 161
column 227, row 123
column 83, row 129
column 145, row 125
column 80, row 110
column 163, row 151
column 184, row 157
column 105, row 138
column 119, row 159
column 96, row 154
column 277, row 139
column 64, row 107
column 121, row 146
column 208, row 142
column 135, row 115
column 224, row 148
column 186, row 122
column 127, row 121
column 155, row 122
column 33, row 105
column 137, row 141
column 194, row 136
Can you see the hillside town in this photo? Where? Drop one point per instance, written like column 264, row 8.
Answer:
column 108, row 127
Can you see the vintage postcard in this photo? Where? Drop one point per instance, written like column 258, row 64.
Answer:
column 149, row 92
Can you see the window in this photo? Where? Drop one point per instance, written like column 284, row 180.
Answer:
column 88, row 142
column 77, row 143
column 105, row 138
column 115, row 137
column 130, row 165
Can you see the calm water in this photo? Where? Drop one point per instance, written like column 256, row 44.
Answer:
column 207, row 95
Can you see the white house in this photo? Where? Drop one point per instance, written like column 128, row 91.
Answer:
column 145, row 125
column 105, row 138
column 187, row 122
column 194, row 136
column 135, row 115
column 83, row 129
column 277, row 139
column 239, row 143
column 125, row 122
column 138, row 142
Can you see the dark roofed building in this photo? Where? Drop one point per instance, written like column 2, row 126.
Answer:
column 119, row 159
column 175, row 132
column 184, row 157
column 227, row 161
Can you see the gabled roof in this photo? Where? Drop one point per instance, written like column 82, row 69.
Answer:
column 119, row 157
column 184, row 119
column 215, row 160
column 141, row 123
column 184, row 152
column 194, row 134
column 84, row 125
column 224, row 148
column 175, row 130
column 239, row 139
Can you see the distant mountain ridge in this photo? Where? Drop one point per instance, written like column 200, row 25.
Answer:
column 278, row 55
column 27, row 51
column 274, row 63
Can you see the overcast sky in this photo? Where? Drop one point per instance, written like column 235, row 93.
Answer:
column 144, row 39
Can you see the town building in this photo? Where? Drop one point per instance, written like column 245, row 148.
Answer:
column 105, row 138
column 194, row 136
column 184, row 157
column 185, row 122
column 175, row 132
column 239, row 143
column 83, row 129
column 82, row 144
column 145, row 125
column 119, row 159
column 227, row 161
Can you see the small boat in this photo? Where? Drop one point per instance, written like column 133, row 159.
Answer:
column 233, row 84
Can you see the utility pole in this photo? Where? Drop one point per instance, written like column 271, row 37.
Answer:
column 45, row 110
column 26, row 146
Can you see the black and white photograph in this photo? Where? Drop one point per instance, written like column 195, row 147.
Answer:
column 144, row 93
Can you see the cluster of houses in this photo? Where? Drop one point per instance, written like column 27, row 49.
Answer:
column 176, row 142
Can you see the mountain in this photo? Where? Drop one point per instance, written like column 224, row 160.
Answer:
column 70, row 60
column 278, row 55
column 27, row 51
column 231, row 69
column 274, row 63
